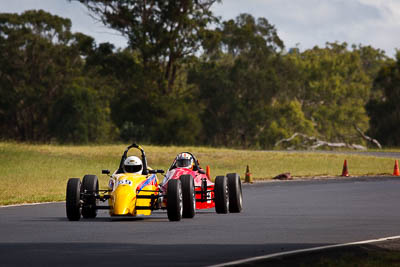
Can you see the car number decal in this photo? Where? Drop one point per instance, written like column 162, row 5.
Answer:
column 125, row 182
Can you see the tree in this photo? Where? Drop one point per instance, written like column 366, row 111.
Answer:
column 35, row 63
column 239, row 81
column 163, row 32
column 372, row 59
column 40, row 61
column 383, row 107
column 246, row 35
column 333, row 92
column 78, row 116
column 155, row 104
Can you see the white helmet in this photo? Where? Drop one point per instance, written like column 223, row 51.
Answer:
column 133, row 164
column 184, row 160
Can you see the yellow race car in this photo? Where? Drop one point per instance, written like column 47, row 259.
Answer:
column 133, row 190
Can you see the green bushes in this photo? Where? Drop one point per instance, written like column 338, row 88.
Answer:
column 240, row 90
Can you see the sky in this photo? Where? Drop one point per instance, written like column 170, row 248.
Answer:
column 300, row 23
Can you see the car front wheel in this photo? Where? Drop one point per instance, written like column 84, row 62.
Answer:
column 90, row 187
column 73, row 199
column 235, row 192
column 188, row 196
column 221, row 195
column 174, row 200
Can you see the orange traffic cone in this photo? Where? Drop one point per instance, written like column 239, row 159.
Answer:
column 345, row 171
column 396, row 171
column 208, row 172
column 248, row 178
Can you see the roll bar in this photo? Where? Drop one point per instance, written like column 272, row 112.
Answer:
column 124, row 156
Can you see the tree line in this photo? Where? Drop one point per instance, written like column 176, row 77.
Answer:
column 187, row 78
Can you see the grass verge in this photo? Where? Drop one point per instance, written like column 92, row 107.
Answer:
column 370, row 255
column 38, row 173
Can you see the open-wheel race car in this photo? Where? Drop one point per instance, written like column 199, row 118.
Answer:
column 133, row 190
column 198, row 191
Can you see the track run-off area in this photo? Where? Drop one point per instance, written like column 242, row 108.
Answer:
column 277, row 217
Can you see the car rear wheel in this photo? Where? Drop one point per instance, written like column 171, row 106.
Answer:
column 73, row 203
column 235, row 192
column 90, row 187
column 221, row 195
column 174, row 200
column 188, row 196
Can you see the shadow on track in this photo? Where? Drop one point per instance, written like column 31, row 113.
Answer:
column 137, row 254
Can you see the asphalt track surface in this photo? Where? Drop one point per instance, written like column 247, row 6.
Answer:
column 277, row 216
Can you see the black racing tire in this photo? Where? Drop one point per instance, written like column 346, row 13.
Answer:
column 235, row 193
column 188, row 196
column 221, row 195
column 174, row 200
column 73, row 199
column 90, row 183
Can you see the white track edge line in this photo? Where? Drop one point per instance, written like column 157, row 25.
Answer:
column 29, row 204
column 273, row 255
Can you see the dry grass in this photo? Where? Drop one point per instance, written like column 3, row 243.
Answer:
column 34, row 173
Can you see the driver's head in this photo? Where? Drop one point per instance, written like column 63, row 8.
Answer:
column 133, row 164
column 184, row 160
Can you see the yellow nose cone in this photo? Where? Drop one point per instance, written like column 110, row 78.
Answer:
column 124, row 200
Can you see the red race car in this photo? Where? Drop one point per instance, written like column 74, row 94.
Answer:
column 198, row 192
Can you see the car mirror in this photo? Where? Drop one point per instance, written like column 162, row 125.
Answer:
column 105, row 171
column 202, row 172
